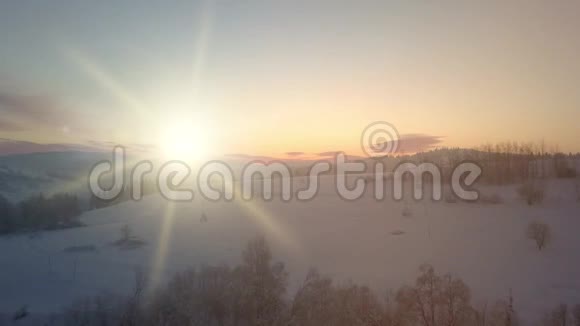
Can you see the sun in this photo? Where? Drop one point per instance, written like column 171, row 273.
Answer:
column 184, row 141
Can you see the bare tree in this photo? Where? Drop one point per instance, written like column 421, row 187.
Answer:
column 132, row 313
column 319, row 302
column 263, row 284
column 250, row 294
column 456, row 305
column 436, row 300
column 558, row 317
column 104, row 309
column 531, row 192
column 502, row 313
column 313, row 302
column 419, row 301
column 540, row 233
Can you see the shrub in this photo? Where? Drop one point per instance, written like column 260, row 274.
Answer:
column 128, row 240
column 540, row 233
column 531, row 193
column 21, row 313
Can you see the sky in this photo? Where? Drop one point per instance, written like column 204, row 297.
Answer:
column 286, row 78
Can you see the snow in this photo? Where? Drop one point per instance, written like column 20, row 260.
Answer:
column 483, row 244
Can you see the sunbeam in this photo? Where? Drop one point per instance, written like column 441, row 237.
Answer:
column 108, row 82
column 267, row 221
column 158, row 262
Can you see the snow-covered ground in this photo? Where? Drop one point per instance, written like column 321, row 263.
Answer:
column 367, row 241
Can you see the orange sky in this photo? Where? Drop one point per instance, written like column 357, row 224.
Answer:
column 270, row 78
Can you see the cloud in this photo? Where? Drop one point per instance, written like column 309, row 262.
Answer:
column 415, row 143
column 130, row 147
column 294, row 153
column 102, row 143
column 7, row 125
column 12, row 147
column 251, row 157
column 408, row 144
column 328, row 154
column 332, row 154
column 25, row 112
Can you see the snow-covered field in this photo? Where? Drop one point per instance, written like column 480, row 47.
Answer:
column 367, row 241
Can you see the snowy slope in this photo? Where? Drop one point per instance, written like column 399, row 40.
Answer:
column 483, row 244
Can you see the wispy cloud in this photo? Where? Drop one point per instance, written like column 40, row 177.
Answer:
column 102, row 143
column 131, row 147
column 407, row 144
column 12, row 147
column 294, row 154
column 331, row 154
column 415, row 143
column 24, row 112
column 8, row 125
column 327, row 154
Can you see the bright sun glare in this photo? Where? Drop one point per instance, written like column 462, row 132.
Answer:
column 184, row 142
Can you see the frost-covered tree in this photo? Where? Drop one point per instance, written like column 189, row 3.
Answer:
column 319, row 302
column 436, row 300
column 263, row 284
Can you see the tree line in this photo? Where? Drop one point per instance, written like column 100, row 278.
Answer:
column 504, row 162
column 148, row 187
column 254, row 293
column 60, row 210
